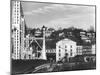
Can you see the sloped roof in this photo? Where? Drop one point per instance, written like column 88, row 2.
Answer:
column 66, row 39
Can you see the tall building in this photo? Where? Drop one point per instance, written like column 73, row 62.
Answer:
column 18, row 23
column 22, row 32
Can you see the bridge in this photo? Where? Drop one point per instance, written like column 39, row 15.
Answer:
column 42, row 52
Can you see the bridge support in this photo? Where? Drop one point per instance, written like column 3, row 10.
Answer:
column 43, row 55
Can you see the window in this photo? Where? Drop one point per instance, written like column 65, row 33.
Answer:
column 15, row 4
column 71, row 54
column 65, row 50
column 15, row 10
column 59, row 50
column 65, row 46
column 59, row 46
column 17, row 42
column 59, row 54
column 17, row 47
column 71, row 46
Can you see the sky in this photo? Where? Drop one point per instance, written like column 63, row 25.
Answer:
column 58, row 15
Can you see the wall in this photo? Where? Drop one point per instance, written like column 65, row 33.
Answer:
column 70, row 45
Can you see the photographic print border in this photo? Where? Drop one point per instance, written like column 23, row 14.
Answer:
column 47, row 3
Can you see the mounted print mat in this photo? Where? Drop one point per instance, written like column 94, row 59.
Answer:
column 52, row 37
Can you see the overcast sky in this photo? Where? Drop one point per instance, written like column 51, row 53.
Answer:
column 58, row 15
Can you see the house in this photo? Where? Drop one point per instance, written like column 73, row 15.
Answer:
column 38, row 32
column 82, row 33
column 89, row 34
column 49, row 31
column 87, row 50
column 51, row 54
column 65, row 46
column 86, row 39
column 61, row 34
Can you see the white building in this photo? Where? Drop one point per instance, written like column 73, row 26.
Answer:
column 48, row 32
column 37, row 32
column 93, row 49
column 18, row 27
column 65, row 46
column 82, row 33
